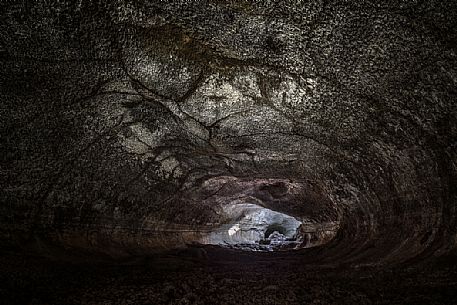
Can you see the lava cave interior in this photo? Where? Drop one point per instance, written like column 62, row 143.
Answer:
column 228, row 152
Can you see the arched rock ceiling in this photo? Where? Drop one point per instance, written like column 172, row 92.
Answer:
column 122, row 119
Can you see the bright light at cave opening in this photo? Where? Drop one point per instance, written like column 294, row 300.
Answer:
column 232, row 231
column 255, row 228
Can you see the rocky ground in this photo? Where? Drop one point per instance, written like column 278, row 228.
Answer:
column 220, row 277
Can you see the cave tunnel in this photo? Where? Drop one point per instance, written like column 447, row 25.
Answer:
column 228, row 152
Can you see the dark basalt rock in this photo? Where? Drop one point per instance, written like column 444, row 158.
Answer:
column 127, row 127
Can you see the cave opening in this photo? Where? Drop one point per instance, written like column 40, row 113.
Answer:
column 274, row 228
column 251, row 227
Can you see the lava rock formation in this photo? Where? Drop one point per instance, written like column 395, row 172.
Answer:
column 128, row 126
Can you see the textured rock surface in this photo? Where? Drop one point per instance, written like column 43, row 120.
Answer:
column 256, row 228
column 244, row 278
column 126, row 127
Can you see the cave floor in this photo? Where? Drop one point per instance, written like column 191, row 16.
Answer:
column 220, row 277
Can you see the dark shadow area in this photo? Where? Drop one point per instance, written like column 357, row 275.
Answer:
column 220, row 276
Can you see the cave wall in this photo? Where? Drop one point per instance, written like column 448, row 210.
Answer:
column 127, row 126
